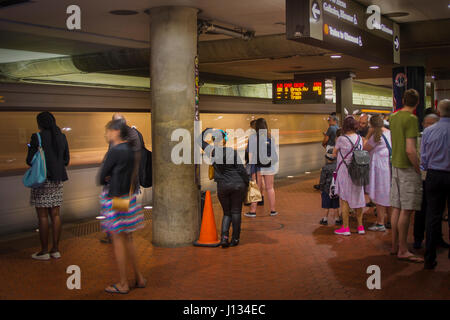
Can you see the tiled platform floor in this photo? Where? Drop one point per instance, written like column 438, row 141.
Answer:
column 289, row 256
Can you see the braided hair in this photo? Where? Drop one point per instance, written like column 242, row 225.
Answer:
column 46, row 121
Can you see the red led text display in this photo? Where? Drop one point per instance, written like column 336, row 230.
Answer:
column 289, row 91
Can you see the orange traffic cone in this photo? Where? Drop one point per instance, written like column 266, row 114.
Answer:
column 208, row 233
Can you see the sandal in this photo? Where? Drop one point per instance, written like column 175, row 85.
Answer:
column 412, row 258
column 136, row 285
column 116, row 290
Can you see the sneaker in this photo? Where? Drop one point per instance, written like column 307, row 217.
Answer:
column 273, row 213
column 55, row 255
column 42, row 257
column 377, row 227
column 250, row 214
column 317, row 186
column 361, row 230
column 323, row 222
column 343, row 231
column 339, row 222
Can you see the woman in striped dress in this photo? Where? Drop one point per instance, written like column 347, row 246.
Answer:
column 117, row 177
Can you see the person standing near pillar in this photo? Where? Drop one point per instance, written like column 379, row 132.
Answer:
column 406, row 187
column 232, row 184
column 435, row 156
column 118, row 172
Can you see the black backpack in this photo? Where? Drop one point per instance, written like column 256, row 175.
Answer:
column 359, row 167
column 145, row 167
column 267, row 151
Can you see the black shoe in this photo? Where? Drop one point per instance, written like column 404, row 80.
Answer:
column 323, row 222
column 339, row 222
column 234, row 242
column 417, row 244
column 250, row 214
column 443, row 244
column 430, row 265
column 106, row 240
column 317, row 186
column 388, row 225
column 224, row 243
column 261, row 203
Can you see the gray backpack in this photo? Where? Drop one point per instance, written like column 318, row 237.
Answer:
column 359, row 167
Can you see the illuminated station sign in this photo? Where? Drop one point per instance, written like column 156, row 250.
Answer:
column 344, row 26
column 293, row 91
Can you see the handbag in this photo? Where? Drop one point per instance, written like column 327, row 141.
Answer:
column 253, row 193
column 121, row 204
column 37, row 173
column 211, row 172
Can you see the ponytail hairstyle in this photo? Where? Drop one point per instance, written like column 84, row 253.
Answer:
column 377, row 123
column 46, row 121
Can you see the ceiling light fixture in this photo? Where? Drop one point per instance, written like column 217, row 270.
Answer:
column 374, row 67
column 335, row 56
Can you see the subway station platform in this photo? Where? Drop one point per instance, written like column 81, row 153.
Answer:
column 289, row 256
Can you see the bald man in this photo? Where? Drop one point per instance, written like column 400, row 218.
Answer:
column 430, row 119
column 435, row 159
column 363, row 125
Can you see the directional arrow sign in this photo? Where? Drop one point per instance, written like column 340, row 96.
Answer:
column 396, row 44
column 315, row 10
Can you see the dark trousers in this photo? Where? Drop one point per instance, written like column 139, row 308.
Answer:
column 231, row 197
column 420, row 217
column 437, row 191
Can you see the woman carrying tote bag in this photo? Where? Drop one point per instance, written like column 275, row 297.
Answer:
column 48, row 196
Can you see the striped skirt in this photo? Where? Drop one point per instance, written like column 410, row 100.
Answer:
column 116, row 222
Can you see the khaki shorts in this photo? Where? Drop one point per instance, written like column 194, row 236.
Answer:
column 406, row 189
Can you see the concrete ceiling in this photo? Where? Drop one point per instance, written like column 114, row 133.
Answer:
column 37, row 31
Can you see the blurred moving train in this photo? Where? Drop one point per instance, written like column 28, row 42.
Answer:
column 82, row 114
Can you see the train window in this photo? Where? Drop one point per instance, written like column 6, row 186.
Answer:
column 84, row 131
column 293, row 128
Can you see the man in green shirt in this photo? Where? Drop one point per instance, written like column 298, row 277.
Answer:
column 406, row 191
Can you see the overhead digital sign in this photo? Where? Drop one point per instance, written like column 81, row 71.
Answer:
column 294, row 91
column 344, row 26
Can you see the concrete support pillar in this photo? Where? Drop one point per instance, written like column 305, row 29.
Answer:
column 173, row 42
column 344, row 97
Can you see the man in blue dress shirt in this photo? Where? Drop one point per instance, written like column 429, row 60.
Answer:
column 435, row 158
